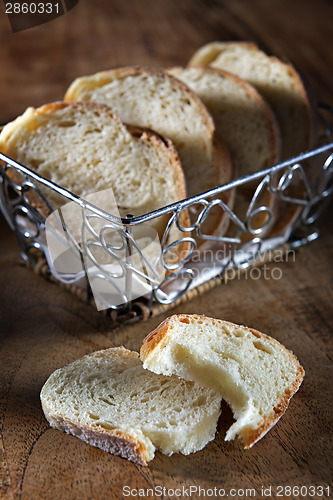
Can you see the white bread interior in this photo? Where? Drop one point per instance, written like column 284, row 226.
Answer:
column 254, row 373
column 108, row 400
column 246, row 123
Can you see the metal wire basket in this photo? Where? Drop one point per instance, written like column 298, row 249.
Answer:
column 127, row 269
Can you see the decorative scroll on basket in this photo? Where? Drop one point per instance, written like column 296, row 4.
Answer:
column 128, row 268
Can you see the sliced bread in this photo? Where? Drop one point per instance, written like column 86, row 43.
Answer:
column 152, row 98
column 277, row 81
column 86, row 149
column 108, row 400
column 242, row 117
column 253, row 372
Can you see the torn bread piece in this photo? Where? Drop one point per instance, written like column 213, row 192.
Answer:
column 109, row 401
column 254, row 373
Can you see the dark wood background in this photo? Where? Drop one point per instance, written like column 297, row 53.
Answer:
column 43, row 327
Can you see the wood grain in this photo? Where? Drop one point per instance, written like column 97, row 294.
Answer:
column 43, row 327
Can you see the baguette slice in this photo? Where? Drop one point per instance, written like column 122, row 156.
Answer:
column 151, row 98
column 242, row 117
column 86, row 149
column 108, row 400
column 255, row 374
column 277, row 81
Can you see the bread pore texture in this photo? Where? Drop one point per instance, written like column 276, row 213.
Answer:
column 109, row 401
column 254, row 373
column 246, row 123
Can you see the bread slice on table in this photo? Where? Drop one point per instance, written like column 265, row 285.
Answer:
column 254, row 373
column 277, row 81
column 109, row 401
column 243, row 120
column 151, row 98
column 86, row 149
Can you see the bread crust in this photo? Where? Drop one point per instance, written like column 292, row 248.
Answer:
column 273, row 127
column 158, row 338
column 103, row 77
column 208, row 53
column 182, row 249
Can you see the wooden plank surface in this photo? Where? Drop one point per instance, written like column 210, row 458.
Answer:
column 43, row 327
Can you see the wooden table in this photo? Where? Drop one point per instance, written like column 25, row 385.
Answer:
column 43, row 327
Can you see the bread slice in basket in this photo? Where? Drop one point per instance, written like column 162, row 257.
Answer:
column 253, row 372
column 151, row 98
column 245, row 122
column 108, row 400
column 277, row 81
column 86, row 149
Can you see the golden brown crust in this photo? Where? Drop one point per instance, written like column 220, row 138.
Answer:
column 255, row 96
column 114, row 441
column 285, row 214
column 209, row 52
column 148, row 135
column 241, row 197
column 155, row 338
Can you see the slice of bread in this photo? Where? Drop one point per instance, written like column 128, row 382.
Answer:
column 152, row 98
column 108, row 400
column 248, row 126
column 253, row 372
column 277, row 81
column 85, row 148
column 242, row 117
